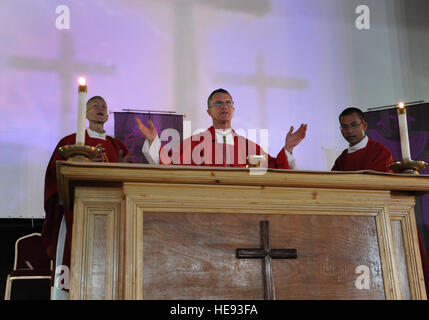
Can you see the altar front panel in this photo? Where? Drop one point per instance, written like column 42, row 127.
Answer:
column 193, row 256
column 188, row 244
column 171, row 233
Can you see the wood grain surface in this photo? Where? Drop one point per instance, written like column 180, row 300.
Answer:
column 192, row 256
column 172, row 233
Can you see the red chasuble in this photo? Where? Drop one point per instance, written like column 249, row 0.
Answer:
column 203, row 150
column 374, row 156
column 53, row 210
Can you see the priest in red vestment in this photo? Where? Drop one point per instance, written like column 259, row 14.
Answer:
column 56, row 216
column 219, row 145
column 366, row 154
column 362, row 153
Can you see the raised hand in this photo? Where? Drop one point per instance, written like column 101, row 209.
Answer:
column 294, row 138
column 150, row 132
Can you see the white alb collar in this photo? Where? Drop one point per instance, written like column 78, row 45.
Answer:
column 359, row 145
column 227, row 133
column 95, row 134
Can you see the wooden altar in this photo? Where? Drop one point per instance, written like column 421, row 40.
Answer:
column 172, row 232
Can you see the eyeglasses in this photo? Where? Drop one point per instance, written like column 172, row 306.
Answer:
column 96, row 105
column 227, row 103
column 352, row 126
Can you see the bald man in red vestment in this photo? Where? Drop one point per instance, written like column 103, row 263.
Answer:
column 366, row 154
column 219, row 145
column 57, row 217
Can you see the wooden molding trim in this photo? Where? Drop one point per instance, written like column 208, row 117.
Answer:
column 401, row 208
column 119, row 172
column 88, row 280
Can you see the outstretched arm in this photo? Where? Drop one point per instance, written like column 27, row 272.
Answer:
column 294, row 138
column 150, row 132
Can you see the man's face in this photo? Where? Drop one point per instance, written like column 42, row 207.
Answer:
column 97, row 111
column 221, row 107
column 352, row 128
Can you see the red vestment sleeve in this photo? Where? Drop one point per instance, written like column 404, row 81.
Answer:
column 53, row 210
column 280, row 162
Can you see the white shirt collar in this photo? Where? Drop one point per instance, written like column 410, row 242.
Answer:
column 359, row 145
column 95, row 134
column 227, row 133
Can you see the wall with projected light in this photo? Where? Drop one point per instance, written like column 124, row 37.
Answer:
column 285, row 63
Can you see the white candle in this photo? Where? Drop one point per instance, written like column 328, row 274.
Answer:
column 81, row 112
column 403, row 132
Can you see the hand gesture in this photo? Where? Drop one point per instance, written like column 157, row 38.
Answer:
column 121, row 157
column 150, row 132
column 294, row 138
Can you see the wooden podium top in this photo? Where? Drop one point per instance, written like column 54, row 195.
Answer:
column 71, row 174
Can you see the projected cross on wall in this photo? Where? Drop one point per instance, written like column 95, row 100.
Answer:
column 186, row 57
column 186, row 60
column 262, row 82
column 66, row 67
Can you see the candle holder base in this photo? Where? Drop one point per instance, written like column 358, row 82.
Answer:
column 408, row 166
column 80, row 153
column 255, row 161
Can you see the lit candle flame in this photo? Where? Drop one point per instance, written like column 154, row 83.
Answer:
column 401, row 105
column 82, row 81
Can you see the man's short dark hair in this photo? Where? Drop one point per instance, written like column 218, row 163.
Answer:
column 350, row 111
column 95, row 97
column 92, row 99
column 220, row 90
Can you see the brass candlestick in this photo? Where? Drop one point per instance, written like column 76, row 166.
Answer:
column 79, row 152
column 408, row 166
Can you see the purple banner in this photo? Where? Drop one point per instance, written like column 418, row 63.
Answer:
column 127, row 131
column 383, row 127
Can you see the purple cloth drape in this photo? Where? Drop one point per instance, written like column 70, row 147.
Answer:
column 126, row 130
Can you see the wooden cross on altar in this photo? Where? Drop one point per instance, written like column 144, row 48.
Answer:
column 267, row 254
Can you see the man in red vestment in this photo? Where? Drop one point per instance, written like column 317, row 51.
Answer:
column 362, row 153
column 55, row 214
column 219, row 145
column 366, row 154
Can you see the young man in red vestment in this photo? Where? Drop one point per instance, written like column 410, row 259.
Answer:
column 219, row 145
column 366, row 154
column 56, row 233
column 362, row 153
